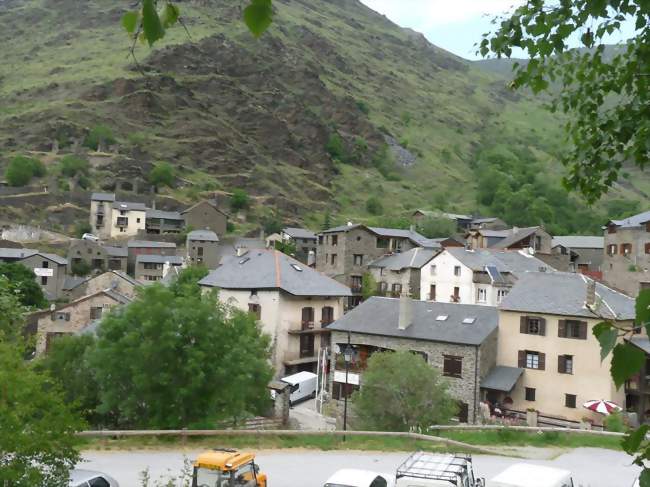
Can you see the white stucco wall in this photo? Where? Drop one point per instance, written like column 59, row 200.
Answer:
column 134, row 224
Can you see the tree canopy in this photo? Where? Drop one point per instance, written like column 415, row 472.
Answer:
column 22, row 281
column 22, row 169
column 162, row 174
column 606, row 97
column 432, row 227
column 402, row 392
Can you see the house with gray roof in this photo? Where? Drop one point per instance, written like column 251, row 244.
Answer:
column 294, row 303
column 153, row 267
column 147, row 247
column 458, row 339
column 626, row 259
column 160, row 221
column 202, row 248
column 535, row 238
column 546, row 326
column 96, row 255
column 584, row 253
column 206, row 215
column 305, row 242
column 49, row 269
column 115, row 280
column 481, row 276
column 399, row 273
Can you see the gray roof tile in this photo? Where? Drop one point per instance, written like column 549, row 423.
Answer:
column 207, row 235
column 579, row 242
column 414, row 258
column 158, row 259
column 271, row 269
column 515, row 237
column 295, row 232
column 55, row 258
column 504, row 260
column 501, row 378
column 127, row 205
column 379, row 316
column 166, row 215
column 150, row 244
column 103, row 197
column 116, row 251
column 13, row 254
column 633, row 221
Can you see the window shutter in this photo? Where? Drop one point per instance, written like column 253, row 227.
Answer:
column 522, row 359
column 542, row 326
column 561, row 364
column 542, row 361
column 523, row 322
column 561, row 328
column 583, row 330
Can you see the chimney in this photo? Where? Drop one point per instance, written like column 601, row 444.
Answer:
column 153, row 203
column 350, row 224
column 261, row 234
column 311, row 258
column 591, row 293
column 412, row 228
column 405, row 312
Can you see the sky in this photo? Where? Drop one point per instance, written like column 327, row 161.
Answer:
column 454, row 25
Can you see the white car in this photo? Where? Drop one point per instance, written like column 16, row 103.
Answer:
column 527, row 475
column 88, row 478
column 90, row 236
column 352, row 477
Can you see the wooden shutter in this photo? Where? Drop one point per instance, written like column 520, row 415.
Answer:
column 522, row 359
column 542, row 326
column 583, row 330
column 561, row 364
column 561, row 328
column 542, row 361
column 523, row 324
column 647, row 246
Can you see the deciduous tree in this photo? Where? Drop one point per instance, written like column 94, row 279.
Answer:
column 22, row 281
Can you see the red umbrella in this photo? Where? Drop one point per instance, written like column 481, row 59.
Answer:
column 602, row 406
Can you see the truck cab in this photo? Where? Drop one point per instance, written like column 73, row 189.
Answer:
column 423, row 469
column 227, row 468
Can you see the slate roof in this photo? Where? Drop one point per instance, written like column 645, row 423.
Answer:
column 415, row 237
column 55, row 258
column 515, row 237
column 411, row 259
column 72, row 282
column 485, row 220
column 128, row 206
column 579, row 242
column 126, row 277
column 158, row 259
column 103, row 197
column 501, row 378
column 211, row 202
column 563, row 293
column 493, row 233
column 295, row 232
column 16, row 254
column 150, row 244
column 504, row 260
column 642, row 342
column 379, row 316
column 116, row 251
column 166, row 215
column 633, row 221
column 271, row 269
column 207, row 235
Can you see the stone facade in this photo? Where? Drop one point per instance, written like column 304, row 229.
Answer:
column 50, row 274
column 626, row 263
column 202, row 252
column 96, row 255
column 205, row 215
column 396, row 282
column 465, row 389
column 117, row 281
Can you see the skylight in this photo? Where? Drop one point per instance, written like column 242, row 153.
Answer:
column 469, row 321
column 296, row 267
column 442, row 317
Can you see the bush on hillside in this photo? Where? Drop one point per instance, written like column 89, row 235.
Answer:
column 72, row 166
column 374, row 206
column 162, row 174
column 22, row 169
column 335, row 147
column 432, row 227
column 99, row 135
column 82, row 227
column 239, row 199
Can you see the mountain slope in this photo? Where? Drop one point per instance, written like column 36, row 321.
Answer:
column 230, row 111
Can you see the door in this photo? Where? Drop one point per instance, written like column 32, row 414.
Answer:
column 432, row 292
column 306, row 346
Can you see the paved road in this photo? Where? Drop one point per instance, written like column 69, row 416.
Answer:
column 299, row 468
column 306, row 417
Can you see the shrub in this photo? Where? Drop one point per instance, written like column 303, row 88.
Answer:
column 80, row 268
column 335, row 147
column 614, row 422
column 82, row 227
column 38, row 168
column 99, row 135
column 374, row 206
column 230, row 227
column 363, row 106
column 432, row 227
column 162, row 174
column 72, row 165
column 239, row 199
column 21, row 169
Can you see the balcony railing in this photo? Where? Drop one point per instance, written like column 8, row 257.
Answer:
column 307, row 324
column 356, row 288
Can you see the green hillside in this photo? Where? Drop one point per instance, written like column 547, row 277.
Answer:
column 299, row 118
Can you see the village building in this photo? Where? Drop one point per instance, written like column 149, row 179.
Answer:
column 293, row 303
column 202, row 248
column 458, row 339
column 96, row 255
column 115, row 280
column 152, row 267
column 147, row 247
column 305, row 242
column 49, row 269
column 206, row 215
column 584, row 253
column 535, row 238
column 399, row 273
column 161, row 222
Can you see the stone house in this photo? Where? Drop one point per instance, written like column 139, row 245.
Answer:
column 115, row 280
column 147, row 247
column 206, row 215
column 100, row 213
column 584, row 253
column 202, row 248
column 399, row 273
column 515, row 238
column 73, row 317
column 546, row 330
column 305, row 242
column 626, row 263
column 458, row 339
column 49, row 269
column 110, row 218
column 151, row 267
column 97, row 255
column 482, row 276
column 159, row 221
column 293, row 303
column 344, row 252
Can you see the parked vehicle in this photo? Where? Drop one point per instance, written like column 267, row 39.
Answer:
column 352, row 477
column 88, row 478
column 527, row 475
column 90, row 236
column 423, row 469
column 227, row 468
column 303, row 386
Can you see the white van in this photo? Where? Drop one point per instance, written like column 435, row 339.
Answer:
column 303, row 386
column 527, row 475
column 353, row 477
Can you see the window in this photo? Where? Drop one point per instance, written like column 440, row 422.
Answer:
column 356, row 282
column 358, row 259
column 481, row 295
column 611, row 249
column 335, row 239
column 152, row 265
column 137, row 220
column 570, row 401
column 60, row 315
column 327, row 315
column 453, row 366
column 199, row 251
column 121, row 230
column 565, row 364
column 396, row 290
column 320, row 240
column 95, row 312
column 43, row 280
column 333, row 259
column 538, row 242
column 307, row 318
column 383, row 242
column 255, row 309
column 99, row 482
column 433, row 270
column 529, row 359
column 530, row 394
column 532, row 325
column 626, row 249
column 383, row 288
column 379, row 482
column 501, row 293
column 572, row 329
column 46, row 264
column 457, row 270
column 455, row 298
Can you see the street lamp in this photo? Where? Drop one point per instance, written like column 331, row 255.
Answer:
column 347, row 356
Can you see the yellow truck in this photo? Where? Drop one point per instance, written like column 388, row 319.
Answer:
column 227, row 468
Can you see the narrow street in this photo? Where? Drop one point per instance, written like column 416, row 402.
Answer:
column 305, row 417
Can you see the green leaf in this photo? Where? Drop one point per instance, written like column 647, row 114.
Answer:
column 627, row 360
column 151, row 25
column 633, row 440
column 644, row 479
column 642, row 307
column 606, row 335
column 258, row 16
column 169, row 15
column 130, row 21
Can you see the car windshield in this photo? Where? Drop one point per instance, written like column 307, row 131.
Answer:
column 206, row 477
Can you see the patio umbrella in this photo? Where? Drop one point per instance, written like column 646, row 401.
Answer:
column 602, row 406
